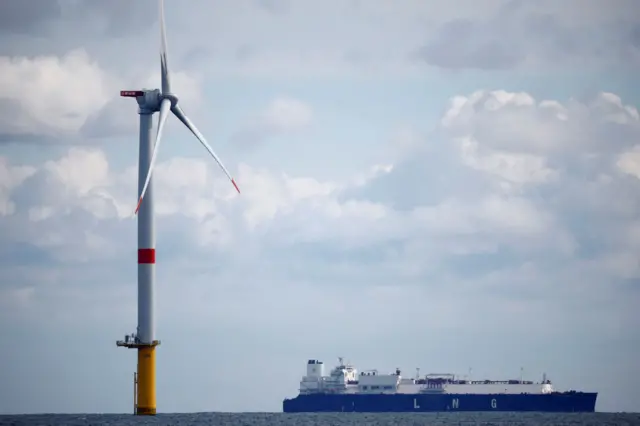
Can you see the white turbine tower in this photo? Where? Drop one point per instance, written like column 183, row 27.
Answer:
column 150, row 102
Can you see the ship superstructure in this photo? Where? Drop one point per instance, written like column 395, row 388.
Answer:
column 344, row 378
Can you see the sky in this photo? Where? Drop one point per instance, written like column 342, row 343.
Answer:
column 442, row 186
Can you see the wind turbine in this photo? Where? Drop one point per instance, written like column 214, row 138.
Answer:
column 150, row 102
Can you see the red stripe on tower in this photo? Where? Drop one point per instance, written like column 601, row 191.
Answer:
column 146, row 256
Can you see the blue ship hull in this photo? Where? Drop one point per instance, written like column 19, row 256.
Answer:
column 554, row 402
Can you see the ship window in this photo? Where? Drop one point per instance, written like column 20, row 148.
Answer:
column 388, row 387
column 364, row 387
column 375, row 387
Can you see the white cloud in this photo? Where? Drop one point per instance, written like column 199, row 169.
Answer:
column 531, row 256
column 51, row 94
column 515, row 122
column 493, row 213
column 71, row 97
column 81, row 170
column 512, row 168
column 629, row 161
column 192, row 188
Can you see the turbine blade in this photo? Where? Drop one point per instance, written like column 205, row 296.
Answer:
column 164, row 111
column 164, row 67
column 177, row 111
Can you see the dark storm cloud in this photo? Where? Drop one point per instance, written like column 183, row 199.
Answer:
column 112, row 120
column 27, row 17
column 459, row 44
column 26, row 138
column 515, row 36
column 113, row 17
column 120, row 18
column 44, row 27
column 11, row 112
column 36, row 132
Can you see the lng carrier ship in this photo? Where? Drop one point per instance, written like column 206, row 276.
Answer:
column 344, row 389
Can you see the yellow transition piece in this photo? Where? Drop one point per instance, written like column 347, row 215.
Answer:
column 146, row 400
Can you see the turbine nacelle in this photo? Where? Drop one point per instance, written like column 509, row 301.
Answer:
column 150, row 100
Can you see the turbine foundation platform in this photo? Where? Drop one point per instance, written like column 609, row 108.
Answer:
column 145, row 378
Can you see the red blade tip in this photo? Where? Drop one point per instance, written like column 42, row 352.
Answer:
column 236, row 186
column 138, row 206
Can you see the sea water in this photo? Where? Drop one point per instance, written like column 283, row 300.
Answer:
column 325, row 419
